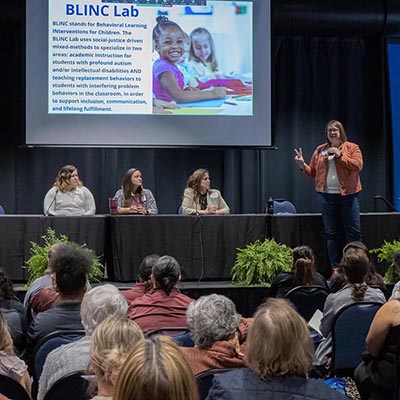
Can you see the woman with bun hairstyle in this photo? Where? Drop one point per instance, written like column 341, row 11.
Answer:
column 198, row 198
column 132, row 197
column 164, row 306
column 68, row 196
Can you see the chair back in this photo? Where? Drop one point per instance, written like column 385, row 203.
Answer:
column 73, row 386
column 205, row 379
column 307, row 299
column 48, row 344
column 12, row 389
column 282, row 206
column 350, row 328
column 180, row 335
column 2, row 211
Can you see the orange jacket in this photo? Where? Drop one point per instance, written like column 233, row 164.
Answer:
column 348, row 167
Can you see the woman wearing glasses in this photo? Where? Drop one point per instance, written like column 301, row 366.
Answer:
column 336, row 165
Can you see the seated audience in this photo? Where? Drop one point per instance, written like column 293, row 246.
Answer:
column 98, row 304
column 132, row 197
column 13, row 311
column 354, row 264
column 68, row 196
column 377, row 374
column 396, row 287
column 279, row 356
column 164, row 306
column 111, row 343
column 218, row 332
column 303, row 274
column 373, row 278
column 144, row 285
column 198, row 198
column 10, row 364
column 70, row 265
column 40, row 295
column 156, row 370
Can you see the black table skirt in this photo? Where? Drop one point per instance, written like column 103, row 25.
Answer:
column 205, row 246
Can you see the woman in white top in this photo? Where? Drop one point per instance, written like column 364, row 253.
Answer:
column 68, row 196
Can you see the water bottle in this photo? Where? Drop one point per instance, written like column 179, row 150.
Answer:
column 270, row 206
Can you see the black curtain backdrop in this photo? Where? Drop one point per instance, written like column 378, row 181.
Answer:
column 315, row 79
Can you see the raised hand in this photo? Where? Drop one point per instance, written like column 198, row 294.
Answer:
column 299, row 158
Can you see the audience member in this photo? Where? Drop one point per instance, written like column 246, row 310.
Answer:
column 111, row 343
column 218, row 332
column 396, row 287
column 10, row 364
column 279, row 355
column 164, row 306
column 13, row 311
column 68, row 196
column 40, row 295
column 377, row 374
column 373, row 278
column 70, row 265
column 303, row 274
column 354, row 264
column 156, row 370
column 144, row 285
column 98, row 304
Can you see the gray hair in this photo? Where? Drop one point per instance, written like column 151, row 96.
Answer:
column 212, row 318
column 99, row 303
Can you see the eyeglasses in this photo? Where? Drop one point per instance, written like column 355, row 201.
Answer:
column 332, row 130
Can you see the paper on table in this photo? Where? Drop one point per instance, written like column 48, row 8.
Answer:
column 315, row 321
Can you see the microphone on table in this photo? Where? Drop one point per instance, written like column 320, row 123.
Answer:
column 52, row 202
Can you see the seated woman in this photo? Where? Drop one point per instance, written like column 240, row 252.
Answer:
column 110, row 345
column 10, row 364
column 144, row 285
column 219, row 333
column 68, row 196
column 164, row 306
column 279, row 357
column 132, row 197
column 303, row 274
column 13, row 311
column 396, row 287
column 354, row 264
column 198, row 198
column 378, row 373
column 156, row 370
column 373, row 278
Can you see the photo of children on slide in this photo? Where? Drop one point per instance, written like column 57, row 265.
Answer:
column 202, row 59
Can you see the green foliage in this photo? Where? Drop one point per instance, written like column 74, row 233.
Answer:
column 260, row 262
column 385, row 254
column 38, row 263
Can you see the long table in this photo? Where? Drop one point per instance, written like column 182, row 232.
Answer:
column 205, row 246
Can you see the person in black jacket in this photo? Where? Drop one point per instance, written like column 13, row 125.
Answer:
column 303, row 273
column 279, row 355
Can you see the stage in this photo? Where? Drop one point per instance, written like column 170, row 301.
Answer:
column 204, row 246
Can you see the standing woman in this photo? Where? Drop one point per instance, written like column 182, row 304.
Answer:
column 132, row 197
column 336, row 165
column 198, row 198
column 68, row 196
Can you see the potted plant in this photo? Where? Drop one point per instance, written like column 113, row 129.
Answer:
column 260, row 262
column 385, row 254
column 38, row 262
